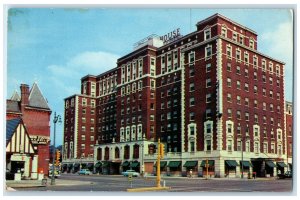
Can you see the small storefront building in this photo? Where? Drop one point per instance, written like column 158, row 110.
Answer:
column 21, row 157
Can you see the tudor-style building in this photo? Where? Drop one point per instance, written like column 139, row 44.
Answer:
column 34, row 110
column 209, row 95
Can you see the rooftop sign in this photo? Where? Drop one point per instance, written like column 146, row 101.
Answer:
column 171, row 36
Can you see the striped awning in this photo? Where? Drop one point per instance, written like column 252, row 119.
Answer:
column 190, row 164
column 270, row 164
column 231, row 163
column 210, row 163
column 174, row 164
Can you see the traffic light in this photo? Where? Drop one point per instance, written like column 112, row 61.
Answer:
column 57, row 157
column 162, row 150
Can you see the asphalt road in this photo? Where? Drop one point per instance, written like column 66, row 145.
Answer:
column 181, row 184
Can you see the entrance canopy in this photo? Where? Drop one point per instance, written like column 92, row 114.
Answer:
column 174, row 164
column 162, row 164
column 190, row 164
column 125, row 164
column 270, row 164
column 210, row 163
column 231, row 163
column 98, row 164
column 281, row 164
column 76, row 165
column 246, row 164
column 135, row 164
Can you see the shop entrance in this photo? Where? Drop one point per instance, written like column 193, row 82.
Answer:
column 17, row 165
column 258, row 168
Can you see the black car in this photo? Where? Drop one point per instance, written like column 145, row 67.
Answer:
column 287, row 174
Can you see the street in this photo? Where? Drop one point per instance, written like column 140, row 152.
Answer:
column 107, row 183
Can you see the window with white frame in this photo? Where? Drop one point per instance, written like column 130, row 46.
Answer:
column 224, row 31
column 238, row 55
column 229, row 51
column 208, row 51
column 207, row 34
column 192, row 58
column 208, row 67
column 251, row 44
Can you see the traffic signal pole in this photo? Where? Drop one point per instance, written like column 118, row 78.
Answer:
column 158, row 165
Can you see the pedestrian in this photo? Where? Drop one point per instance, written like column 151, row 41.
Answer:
column 191, row 173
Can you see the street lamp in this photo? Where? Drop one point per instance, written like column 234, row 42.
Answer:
column 242, row 140
column 56, row 119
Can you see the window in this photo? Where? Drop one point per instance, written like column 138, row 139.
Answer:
column 238, row 55
column 228, row 97
column 271, row 107
column 83, row 137
column 271, row 67
column 192, row 87
column 238, row 114
column 251, row 44
column 208, row 51
column 264, row 92
column 151, row 117
column 238, row 85
column 208, row 129
column 256, row 147
column 192, row 101
column 271, row 94
column 246, row 116
column 246, row 101
column 192, row 130
column 229, row 51
column 208, row 82
column 246, row 58
column 246, row 73
column 271, row 81
column 255, row 75
column 246, row 87
column 229, row 128
column 208, row 67
column 228, row 82
column 238, row 69
column 207, row 34
column 264, row 119
column 192, row 72
column 229, row 67
column 234, row 37
column 241, row 39
column 208, row 113
column 256, row 132
column 265, row 147
column 255, row 89
column 192, row 116
column 277, row 70
column 239, row 146
column 229, row 112
column 224, row 32
column 255, row 61
column 229, row 145
column 238, row 99
column 208, row 145
column 192, row 58
column 263, row 64
column 255, row 104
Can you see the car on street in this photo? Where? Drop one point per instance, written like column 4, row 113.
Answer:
column 287, row 174
column 84, row 172
column 132, row 172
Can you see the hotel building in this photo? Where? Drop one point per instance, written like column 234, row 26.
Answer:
column 208, row 95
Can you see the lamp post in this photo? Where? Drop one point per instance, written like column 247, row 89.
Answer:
column 56, row 119
column 242, row 140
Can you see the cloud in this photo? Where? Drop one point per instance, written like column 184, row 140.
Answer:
column 279, row 45
column 67, row 76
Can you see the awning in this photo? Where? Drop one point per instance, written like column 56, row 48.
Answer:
column 190, row 163
column 270, row 164
column 174, row 164
column 134, row 164
column 99, row 164
column 162, row 164
column 105, row 164
column 70, row 165
column 64, row 166
column 83, row 165
column 210, row 163
column 90, row 165
column 76, row 165
column 231, row 163
column 125, row 164
column 281, row 164
column 246, row 164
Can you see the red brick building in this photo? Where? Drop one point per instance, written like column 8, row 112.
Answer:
column 289, row 132
column 33, row 108
column 209, row 95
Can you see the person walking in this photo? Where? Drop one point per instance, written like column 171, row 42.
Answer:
column 191, row 173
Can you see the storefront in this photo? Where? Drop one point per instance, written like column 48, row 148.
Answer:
column 230, row 168
column 21, row 158
column 190, row 166
column 208, row 171
column 174, row 168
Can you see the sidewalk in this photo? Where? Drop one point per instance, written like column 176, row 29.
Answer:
column 213, row 178
column 38, row 183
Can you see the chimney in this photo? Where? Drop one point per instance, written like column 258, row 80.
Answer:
column 24, row 95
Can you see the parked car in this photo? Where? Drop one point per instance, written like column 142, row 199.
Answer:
column 287, row 174
column 134, row 173
column 84, row 172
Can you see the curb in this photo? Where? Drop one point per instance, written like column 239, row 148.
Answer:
column 148, row 189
